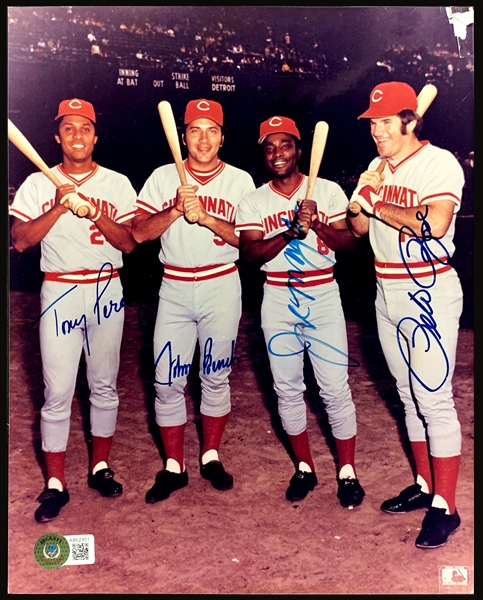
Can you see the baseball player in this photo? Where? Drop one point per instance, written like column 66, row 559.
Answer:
column 409, row 212
column 82, row 306
column 200, row 294
column 301, row 308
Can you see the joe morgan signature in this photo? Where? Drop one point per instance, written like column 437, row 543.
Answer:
column 67, row 325
column 174, row 368
column 294, row 253
column 426, row 329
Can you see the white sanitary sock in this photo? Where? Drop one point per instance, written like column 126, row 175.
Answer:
column 208, row 456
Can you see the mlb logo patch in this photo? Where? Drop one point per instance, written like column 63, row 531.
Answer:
column 454, row 576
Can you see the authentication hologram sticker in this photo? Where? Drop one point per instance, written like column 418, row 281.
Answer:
column 51, row 550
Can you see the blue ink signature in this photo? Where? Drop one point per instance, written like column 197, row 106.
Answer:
column 427, row 327
column 294, row 253
column 106, row 310
column 68, row 325
column 426, row 253
column 209, row 365
column 177, row 369
column 305, row 342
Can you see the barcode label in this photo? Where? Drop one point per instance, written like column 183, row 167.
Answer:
column 81, row 550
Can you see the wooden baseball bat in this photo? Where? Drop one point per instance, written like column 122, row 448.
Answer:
column 318, row 146
column 425, row 98
column 169, row 126
column 18, row 139
column 319, row 140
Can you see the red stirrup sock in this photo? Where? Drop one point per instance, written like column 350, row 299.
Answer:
column 173, row 442
column 301, row 447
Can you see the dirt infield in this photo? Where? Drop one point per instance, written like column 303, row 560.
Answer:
column 248, row 540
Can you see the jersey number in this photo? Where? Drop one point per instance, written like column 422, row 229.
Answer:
column 321, row 247
column 218, row 240
column 97, row 239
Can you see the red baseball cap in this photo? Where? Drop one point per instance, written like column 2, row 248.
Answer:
column 389, row 99
column 76, row 107
column 278, row 125
column 203, row 109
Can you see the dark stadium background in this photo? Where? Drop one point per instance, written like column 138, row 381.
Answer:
column 362, row 46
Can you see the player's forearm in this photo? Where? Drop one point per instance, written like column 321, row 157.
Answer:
column 118, row 235
column 358, row 224
column 24, row 235
column 150, row 227
column 262, row 251
column 222, row 228
column 423, row 221
column 336, row 239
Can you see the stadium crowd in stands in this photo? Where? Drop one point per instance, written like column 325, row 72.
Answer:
column 137, row 36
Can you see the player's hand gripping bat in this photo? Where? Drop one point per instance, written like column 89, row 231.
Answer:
column 76, row 204
column 425, row 98
column 318, row 146
column 169, row 126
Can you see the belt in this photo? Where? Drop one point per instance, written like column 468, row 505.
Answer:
column 198, row 273
column 84, row 276
column 389, row 270
column 300, row 279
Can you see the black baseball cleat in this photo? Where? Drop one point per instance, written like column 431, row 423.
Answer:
column 215, row 472
column 350, row 492
column 103, row 481
column 300, row 485
column 436, row 528
column 165, row 483
column 411, row 498
column 51, row 501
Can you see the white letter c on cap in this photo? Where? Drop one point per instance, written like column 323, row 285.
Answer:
column 75, row 103
column 275, row 122
column 379, row 96
column 205, row 106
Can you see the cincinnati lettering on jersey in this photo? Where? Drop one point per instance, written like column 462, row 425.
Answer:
column 215, row 206
column 106, row 207
column 398, row 194
column 279, row 220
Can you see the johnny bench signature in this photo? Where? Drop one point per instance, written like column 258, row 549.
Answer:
column 175, row 368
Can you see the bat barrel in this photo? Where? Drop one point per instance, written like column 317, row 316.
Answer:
column 169, row 125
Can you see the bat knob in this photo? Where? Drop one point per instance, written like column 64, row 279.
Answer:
column 79, row 206
column 82, row 211
column 192, row 217
column 355, row 208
